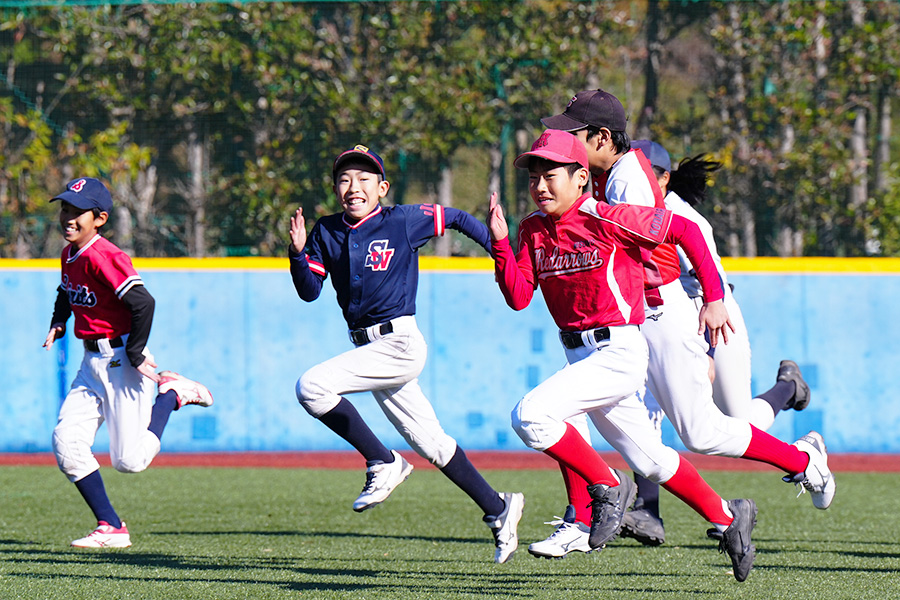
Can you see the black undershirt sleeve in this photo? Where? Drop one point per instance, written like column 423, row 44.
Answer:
column 141, row 304
column 61, row 310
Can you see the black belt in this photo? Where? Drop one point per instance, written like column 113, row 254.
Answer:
column 572, row 339
column 360, row 337
column 94, row 345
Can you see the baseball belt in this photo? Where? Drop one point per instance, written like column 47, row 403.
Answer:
column 360, row 337
column 94, row 346
column 574, row 339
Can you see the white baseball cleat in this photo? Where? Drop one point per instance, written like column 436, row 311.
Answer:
column 817, row 479
column 105, row 536
column 381, row 479
column 570, row 536
column 505, row 526
column 187, row 391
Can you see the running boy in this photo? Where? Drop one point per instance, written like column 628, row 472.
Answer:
column 371, row 252
column 587, row 259
column 117, row 382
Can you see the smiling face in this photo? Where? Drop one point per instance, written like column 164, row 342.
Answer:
column 553, row 189
column 359, row 190
column 79, row 226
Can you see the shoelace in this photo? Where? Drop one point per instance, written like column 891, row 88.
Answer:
column 717, row 535
column 800, row 481
column 370, row 480
column 561, row 526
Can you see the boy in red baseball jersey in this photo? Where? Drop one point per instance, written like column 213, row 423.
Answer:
column 587, row 257
column 117, row 382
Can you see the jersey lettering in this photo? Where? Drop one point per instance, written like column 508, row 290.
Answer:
column 80, row 295
column 379, row 256
column 569, row 262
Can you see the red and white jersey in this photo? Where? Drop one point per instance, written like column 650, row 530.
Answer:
column 588, row 263
column 95, row 278
column 631, row 180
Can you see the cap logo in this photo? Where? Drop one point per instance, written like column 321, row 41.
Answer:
column 542, row 141
column 361, row 148
column 78, row 185
column 572, row 101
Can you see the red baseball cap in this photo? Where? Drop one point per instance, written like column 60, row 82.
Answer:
column 557, row 146
column 594, row 108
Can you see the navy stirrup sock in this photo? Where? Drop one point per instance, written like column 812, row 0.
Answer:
column 779, row 395
column 648, row 493
column 464, row 474
column 94, row 493
column 159, row 414
column 345, row 421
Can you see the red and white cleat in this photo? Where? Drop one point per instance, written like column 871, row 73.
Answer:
column 105, row 536
column 186, row 390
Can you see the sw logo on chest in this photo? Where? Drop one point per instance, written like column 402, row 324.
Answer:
column 379, row 255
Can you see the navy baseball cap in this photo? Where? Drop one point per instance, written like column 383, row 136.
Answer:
column 594, row 108
column 557, row 146
column 656, row 154
column 358, row 153
column 87, row 193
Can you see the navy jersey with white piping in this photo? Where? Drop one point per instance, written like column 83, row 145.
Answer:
column 373, row 263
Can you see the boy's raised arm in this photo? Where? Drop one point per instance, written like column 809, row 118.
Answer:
column 713, row 315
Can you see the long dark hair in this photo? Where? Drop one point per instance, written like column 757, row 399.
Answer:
column 691, row 177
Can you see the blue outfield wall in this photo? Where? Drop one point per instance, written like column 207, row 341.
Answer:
column 238, row 326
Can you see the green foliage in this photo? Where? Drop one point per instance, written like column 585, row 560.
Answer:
column 280, row 533
column 269, row 93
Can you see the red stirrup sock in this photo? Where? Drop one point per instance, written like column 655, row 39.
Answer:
column 765, row 448
column 687, row 485
column 579, row 456
column 576, row 490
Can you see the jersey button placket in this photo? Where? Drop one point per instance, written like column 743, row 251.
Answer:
column 357, row 264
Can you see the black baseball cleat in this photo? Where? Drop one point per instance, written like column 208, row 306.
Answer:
column 608, row 506
column 644, row 526
column 789, row 371
column 735, row 541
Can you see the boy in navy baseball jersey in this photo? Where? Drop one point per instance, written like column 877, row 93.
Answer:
column 371, row 253
column 117, row 382
column 587, row 259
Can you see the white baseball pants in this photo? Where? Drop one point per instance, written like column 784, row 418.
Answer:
column 389, row 368
column 106, row 389
column 604, row 382
column 678, row 378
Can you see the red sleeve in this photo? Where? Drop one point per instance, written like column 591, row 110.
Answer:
column 686, row 234
column 514, row 274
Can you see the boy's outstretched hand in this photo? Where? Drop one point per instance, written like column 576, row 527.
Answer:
column 496, row 222
column 714, row 316
column 298, row 231
column 57, row 330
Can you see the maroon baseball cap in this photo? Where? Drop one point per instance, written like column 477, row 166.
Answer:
column 557, row 146
column 594, row 108
column 359, row 154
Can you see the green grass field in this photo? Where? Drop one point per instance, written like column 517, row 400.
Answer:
column 274, row 534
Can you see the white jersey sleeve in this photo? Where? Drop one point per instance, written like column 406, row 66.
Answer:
column 689, row 281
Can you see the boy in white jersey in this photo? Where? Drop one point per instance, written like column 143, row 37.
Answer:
column 117, row 382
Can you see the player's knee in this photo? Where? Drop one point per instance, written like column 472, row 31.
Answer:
column 534, row 427
column 701, row 444
column 438, row 450
column 65, row 449
column 313, row 396
column 130, row 464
